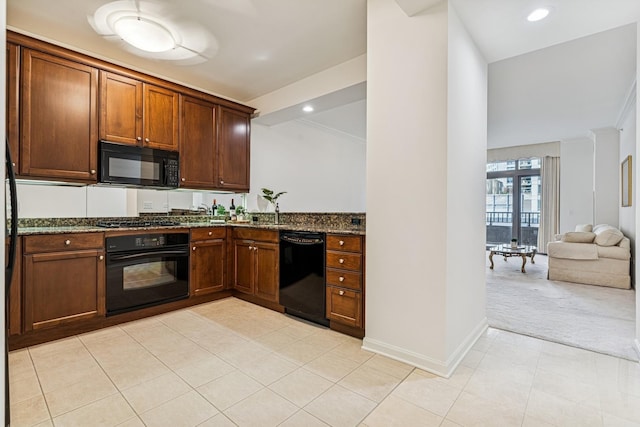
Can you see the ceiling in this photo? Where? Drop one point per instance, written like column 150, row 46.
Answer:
column 535, row 95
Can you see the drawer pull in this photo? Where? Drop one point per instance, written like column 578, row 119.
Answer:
column 93, row 171
column 67, row 242
column 184, row 179
column 146, row 140
column 138, row 138
column 250, row 248
column 221, row 182
column 210, row 233
column 101, row 257
column 341, row 278
column 341, row 261
column 341, row 293
column 341, row 242
column 194, row 248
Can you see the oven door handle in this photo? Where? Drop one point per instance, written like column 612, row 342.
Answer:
column 147, row 254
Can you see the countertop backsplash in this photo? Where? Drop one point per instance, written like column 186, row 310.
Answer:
column 347, row 221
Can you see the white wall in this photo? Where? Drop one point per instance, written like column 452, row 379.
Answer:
column 321, row 170
column 607, row 176
column 413, row 308
column 466, row 160
column 576, row 183
column 636, row 194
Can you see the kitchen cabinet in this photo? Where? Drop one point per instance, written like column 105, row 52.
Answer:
column 59, row 118
column 233, row 149
column 345, row 280
column 207, row 260
column 63, row 279
column 15, row 292
column 198, row 148
column 13, row 102
column 256, row 263
column 137, row 113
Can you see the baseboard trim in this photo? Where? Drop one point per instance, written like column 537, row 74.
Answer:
column 438, row 367
column 637, row 347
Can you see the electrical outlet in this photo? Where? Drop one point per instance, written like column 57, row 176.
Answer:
column 255, row 219
column 147, row 205
column 356, row 221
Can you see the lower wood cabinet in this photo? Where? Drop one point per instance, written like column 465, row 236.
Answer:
column 63, row 279
column 256, row 263
column 345, row 280
column 208, row 260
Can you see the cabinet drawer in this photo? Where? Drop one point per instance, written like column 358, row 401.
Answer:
column 344, row 306
column 344, row 279
column 344, row 261
column 255, row 234
column 63, row 242
column 341, row 242
column 208, row 233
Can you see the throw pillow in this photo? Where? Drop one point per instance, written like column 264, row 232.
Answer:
column 608, row 236
column 584, row 227
column 578, row 237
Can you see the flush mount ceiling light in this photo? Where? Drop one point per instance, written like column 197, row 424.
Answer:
column 307, row 109
column 538, row 14
column 144, row 34
column 146, row 29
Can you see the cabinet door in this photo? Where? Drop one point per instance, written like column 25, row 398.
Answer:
column 160, row 118
column 13, row 79
column 233, row 150
column 59, row 118
column 243, row 271
column 15, row 292
column 207, row 266
column 197, row 144
column 63, row 287
column 267, row 271
column 344, row 306
column 120, row 109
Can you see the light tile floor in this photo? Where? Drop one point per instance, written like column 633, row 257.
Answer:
column 230, row 363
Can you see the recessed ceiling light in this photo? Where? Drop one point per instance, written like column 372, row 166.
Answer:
column 538, row 14
column 307, row 108
column 144, row 34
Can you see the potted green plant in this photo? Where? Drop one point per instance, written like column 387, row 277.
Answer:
column 271, row 196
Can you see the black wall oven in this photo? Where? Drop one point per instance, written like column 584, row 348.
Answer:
column 145, row 270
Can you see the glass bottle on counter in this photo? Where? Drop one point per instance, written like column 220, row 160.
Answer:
column 214, row 208
column 232, row 211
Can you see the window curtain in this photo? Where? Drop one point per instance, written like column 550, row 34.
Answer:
column 550, row 204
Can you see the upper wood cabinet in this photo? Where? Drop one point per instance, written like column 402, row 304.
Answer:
column 59, row 120
column 233, row 149
column 198, row 143
column 13, row 102
column 137, row 113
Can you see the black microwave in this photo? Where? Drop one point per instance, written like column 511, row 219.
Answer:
column 129, row 165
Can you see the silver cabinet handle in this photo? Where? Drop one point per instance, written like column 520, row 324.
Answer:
column 341, row 293
column 146, row 140
column 341, row 279
column 193, row 249
column 93, row 171
column 67, row 242
column 341, row 242
column 184, row 179
column 139, row 138
column 341, row 261
column 101, row 257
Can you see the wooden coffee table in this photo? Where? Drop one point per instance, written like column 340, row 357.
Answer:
column 507, row 251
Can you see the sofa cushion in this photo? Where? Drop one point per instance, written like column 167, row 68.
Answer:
column 568, row 250
column 578, row 237
column 613, row 252
column 607, row 235
column 584, row 227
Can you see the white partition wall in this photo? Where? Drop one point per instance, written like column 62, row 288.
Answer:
column 426, row 153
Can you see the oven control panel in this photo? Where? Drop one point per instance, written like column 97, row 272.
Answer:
column 150, row 241
column 137, row 242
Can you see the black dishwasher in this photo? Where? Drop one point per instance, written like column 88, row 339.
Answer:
column 302, row 285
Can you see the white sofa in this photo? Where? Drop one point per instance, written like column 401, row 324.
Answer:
column 599, row 255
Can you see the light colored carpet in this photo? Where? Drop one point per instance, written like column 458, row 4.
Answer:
column 590, row 317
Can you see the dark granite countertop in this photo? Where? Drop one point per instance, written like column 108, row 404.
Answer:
column 355, row 230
